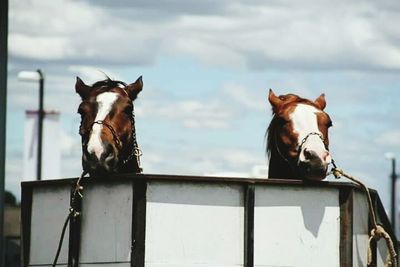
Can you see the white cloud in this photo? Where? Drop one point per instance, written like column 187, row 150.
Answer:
column 252, row 34
column 220, row 111
column 192, row 114
column 194, row 160
column 91, row 74
column 256, row 171
column 391, row 138
column 44, row 48
column 247, row 97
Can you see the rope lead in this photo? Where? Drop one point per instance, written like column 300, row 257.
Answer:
column 72, row 214
column 377, row 231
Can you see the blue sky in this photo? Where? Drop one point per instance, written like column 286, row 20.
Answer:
column 207, row 67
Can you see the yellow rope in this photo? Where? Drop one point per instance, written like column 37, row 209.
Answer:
column 377, row 231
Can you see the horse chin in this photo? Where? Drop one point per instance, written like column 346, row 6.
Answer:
column 313, row 172
column 99, row 170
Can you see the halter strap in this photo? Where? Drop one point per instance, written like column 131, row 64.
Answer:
column 308, row 135
column 114, row 134
column 299, row 148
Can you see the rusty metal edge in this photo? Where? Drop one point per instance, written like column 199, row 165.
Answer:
column 74, row 231
column 139, row 203
column 346, row 201
column 26, row 214
column 249, row 202
column 187, row 178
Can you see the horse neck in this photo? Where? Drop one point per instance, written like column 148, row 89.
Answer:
column 279, row 168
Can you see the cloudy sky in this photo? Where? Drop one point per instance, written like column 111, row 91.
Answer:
column 207, row 67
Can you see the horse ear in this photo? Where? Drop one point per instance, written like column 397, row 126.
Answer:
column 81, row 88
column 134, row 89
column 320, row 102
column 274, row 100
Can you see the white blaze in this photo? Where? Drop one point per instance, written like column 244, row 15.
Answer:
column 105, row 102
column 304, row 118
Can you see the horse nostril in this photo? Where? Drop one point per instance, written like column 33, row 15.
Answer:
column 90, row 156
column 108, row 152
column 310, row 154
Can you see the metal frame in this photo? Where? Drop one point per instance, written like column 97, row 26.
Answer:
column 139, row 184
column 74, row 230
column 26, row 215
column 373, row 241
column 346, row 226
column 249, row 202
column 138, row 223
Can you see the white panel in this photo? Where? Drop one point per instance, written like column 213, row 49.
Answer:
column 194, row 224
column 360, row 230
column 106, row 223
column 296, row 227
column 50, row 208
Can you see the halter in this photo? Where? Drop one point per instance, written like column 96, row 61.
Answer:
column 308, row 135
column 300, row 147
column 114, row 134
column 136, row 152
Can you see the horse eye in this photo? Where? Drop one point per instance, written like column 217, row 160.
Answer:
column 128, row 110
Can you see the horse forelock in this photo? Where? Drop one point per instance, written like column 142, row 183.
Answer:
column 108, row 83
column 290, row 100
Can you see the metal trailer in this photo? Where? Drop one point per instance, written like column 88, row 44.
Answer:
column 190, row 221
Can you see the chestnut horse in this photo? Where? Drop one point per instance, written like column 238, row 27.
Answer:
column 108, row 126
column 297, row 138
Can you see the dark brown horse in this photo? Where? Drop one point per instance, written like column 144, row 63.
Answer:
column 297, row 138
column 108, row 126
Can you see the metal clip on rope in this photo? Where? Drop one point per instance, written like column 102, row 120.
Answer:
column 377, row 231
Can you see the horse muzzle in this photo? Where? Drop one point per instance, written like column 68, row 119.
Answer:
column 313, row 166
column 100, row 163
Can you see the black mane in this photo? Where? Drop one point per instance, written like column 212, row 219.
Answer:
column 270, row 135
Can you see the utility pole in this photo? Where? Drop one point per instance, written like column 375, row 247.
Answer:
column 37, row 76
column 40, row 124
column 393, row 177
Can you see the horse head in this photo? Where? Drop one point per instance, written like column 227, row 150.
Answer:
column 297, row 137
column 108, row 126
